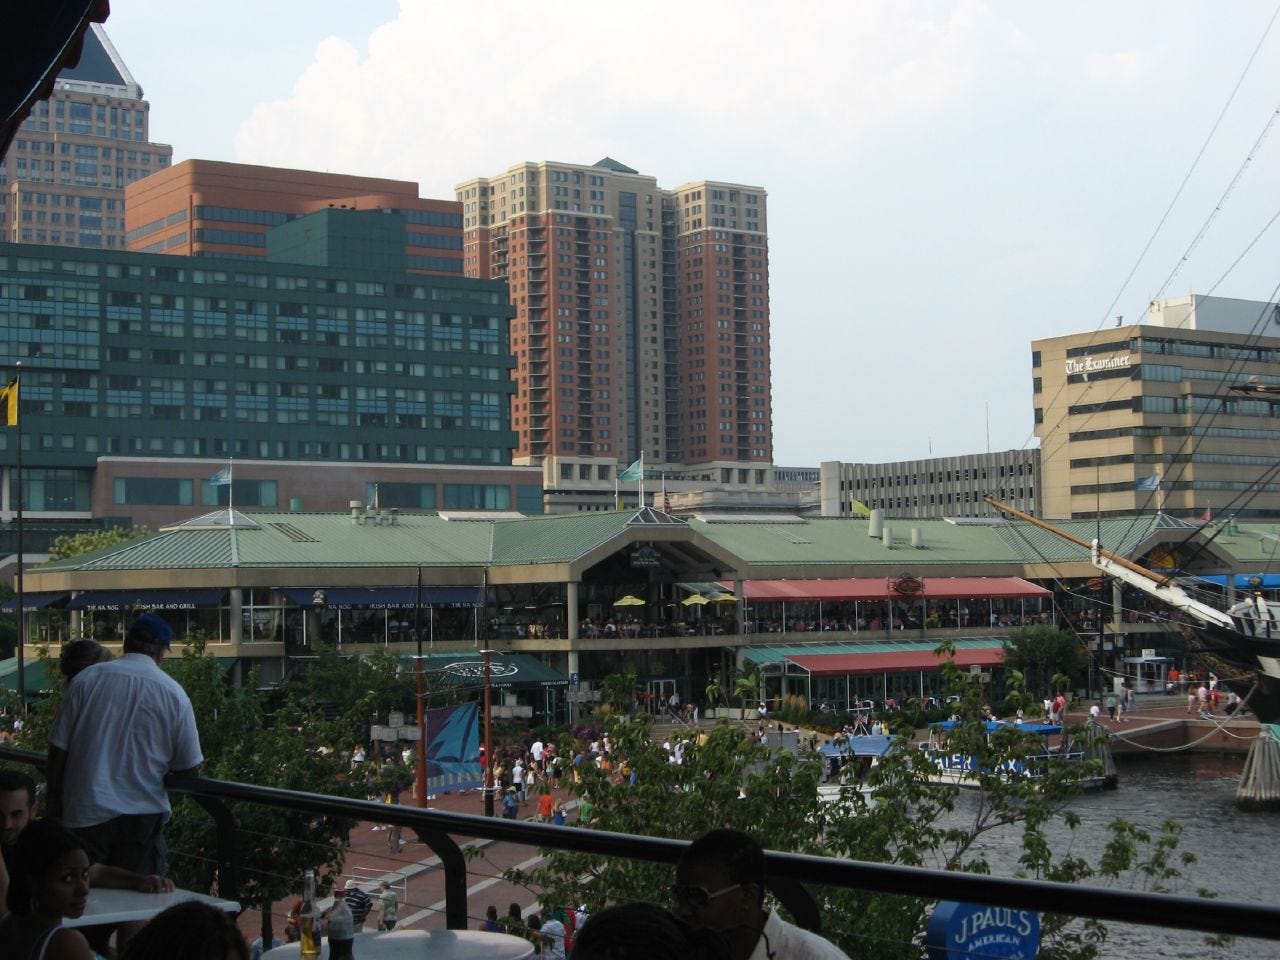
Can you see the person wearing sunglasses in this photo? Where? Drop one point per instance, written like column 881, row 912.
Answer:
column 720, row 885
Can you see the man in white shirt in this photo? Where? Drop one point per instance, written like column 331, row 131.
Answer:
column 553, row 928
column 517, row 780
column 122, row 729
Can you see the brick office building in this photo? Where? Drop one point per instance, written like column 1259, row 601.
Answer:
column 200, row 208
column 642, row 320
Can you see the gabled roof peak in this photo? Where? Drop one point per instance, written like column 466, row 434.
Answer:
column 217, row 520
column 648, row 517
column 608, row 163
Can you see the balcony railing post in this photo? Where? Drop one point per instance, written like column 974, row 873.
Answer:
column 228, row 858
column 455, row 876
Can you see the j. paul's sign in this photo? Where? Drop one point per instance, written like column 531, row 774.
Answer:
column 963, row 931
column 1078, row 365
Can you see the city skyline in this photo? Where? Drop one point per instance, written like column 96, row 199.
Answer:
column 947, row 182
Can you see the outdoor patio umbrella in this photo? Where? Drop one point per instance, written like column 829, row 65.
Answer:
column 695, row 600
column 724, row 598
column 628, row 601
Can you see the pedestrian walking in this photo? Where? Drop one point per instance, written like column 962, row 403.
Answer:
column 510, row 805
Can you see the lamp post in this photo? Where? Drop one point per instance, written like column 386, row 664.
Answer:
column 420, row 777
column 488, row 741
column 318, row 602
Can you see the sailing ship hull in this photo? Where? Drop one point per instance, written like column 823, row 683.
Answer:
column 1257, row 658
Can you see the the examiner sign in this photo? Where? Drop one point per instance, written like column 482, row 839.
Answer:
column 1119, row 361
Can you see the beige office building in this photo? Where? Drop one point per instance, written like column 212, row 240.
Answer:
column 1151, row 416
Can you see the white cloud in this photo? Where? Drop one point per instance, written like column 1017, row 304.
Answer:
column 450, row 91
column 1122, row 66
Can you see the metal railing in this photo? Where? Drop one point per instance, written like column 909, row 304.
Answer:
column 789, row 873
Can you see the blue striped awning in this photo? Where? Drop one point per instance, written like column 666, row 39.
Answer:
column 147, row 599
column 32, row 601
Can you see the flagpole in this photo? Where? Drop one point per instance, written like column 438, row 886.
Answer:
column 617, row 501
column 1159, row 493
column 231, row 487
column 641, row 504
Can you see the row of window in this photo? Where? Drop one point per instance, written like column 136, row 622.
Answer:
column 178, row 491
column 247, row 278
column 297, row 449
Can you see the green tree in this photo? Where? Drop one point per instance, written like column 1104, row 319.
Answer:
column 715, row 693
column 727, row 780
column 242, row 740
column 1039, row 653
column 747, row 684
column 617, row 691
column 74, row 544
column 351, row 690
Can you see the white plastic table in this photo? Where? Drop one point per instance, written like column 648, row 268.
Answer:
column 436, row 944
column 121, row 906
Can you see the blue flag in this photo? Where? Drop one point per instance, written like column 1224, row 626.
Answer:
column 222, row 478
column 1147, row 483
column 633, row 472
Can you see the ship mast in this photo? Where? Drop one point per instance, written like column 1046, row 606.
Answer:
column 1122, row 568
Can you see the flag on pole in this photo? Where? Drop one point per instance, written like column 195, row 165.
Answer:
column 1207, row 515
column 633, row 472
column 859, row 508
column 9, row 404
column 222, row 478
column 1147, row 483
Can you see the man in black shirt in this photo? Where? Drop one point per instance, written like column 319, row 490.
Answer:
column 360, row 903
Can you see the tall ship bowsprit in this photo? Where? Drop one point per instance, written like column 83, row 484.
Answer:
column 1245, row 638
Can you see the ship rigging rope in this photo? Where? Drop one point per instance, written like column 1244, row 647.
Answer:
column 1094, row 660
column 1182, row 186
column 1213, row 214
column 1106, row 315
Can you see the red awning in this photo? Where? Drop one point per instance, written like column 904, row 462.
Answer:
column 867, row 588
column 842, row 664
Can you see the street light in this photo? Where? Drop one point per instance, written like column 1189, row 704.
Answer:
column 488, row 740
column 420, row 776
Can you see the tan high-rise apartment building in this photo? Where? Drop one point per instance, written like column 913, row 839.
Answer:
column 1180, row 413
column 63, row 179
column 642, row 319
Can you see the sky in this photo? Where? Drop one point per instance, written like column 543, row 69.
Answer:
column 946, row 181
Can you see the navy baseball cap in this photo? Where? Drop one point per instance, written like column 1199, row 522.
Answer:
column 152, row 628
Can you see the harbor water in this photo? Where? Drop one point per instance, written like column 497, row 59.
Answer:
column 1238, row 854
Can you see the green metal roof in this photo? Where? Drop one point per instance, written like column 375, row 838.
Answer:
column 506, row 670
column 759, row 547
column 34, row 677
column 299, row 540
column 555, row 538
column 844, row 540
